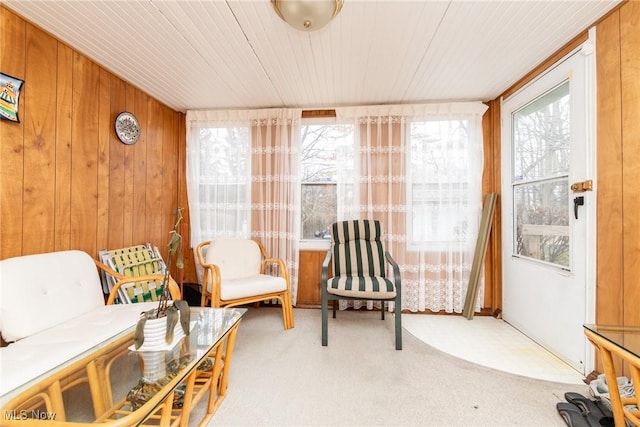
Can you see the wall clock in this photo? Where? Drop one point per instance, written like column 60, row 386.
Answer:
column 127, row 128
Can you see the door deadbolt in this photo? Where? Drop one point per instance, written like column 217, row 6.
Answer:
column 581, row 187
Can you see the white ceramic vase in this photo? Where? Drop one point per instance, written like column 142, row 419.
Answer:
column 154, row 367
column 155, row 332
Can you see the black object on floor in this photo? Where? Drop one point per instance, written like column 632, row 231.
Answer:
column 601, row 413
column 574, row 417
column 191, row 294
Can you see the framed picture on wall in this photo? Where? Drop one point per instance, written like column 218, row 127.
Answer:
column 9, row 97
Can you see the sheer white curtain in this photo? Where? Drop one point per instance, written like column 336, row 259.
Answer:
column 418, row 169
column 243, row 179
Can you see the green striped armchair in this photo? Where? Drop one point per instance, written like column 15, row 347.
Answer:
column 354, row 269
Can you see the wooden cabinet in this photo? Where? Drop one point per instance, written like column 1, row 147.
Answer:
column 309, row 278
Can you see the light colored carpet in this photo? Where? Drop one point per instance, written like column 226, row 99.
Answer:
column 286, row 378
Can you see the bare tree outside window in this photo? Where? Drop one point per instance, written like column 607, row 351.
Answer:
column 542, row 141
column 319, row 172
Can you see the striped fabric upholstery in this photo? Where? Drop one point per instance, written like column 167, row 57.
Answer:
column 147, row 290
column 358, row 261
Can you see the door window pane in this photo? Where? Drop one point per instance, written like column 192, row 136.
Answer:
column 541, row 148
column 541, row 135
column 542, row 221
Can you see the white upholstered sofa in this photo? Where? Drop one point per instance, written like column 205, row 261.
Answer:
column 52, row 309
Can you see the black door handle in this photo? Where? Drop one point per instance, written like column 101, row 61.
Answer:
column 578, row 201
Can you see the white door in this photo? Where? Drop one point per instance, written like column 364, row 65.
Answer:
column 548, row 229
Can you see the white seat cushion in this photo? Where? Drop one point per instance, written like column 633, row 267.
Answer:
column 30, row 357
column 249, row 286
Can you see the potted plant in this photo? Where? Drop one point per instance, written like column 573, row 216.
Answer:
column 151, row 326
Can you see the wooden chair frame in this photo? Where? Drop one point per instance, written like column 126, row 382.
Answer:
column 212, row 275
column 174, row 289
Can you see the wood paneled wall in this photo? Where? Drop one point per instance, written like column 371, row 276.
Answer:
column 491, row 184
column 618, row 163
column 66, row 181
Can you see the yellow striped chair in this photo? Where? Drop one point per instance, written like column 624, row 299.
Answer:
column 356, row 262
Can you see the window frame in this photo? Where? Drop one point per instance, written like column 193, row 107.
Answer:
column 318, row 243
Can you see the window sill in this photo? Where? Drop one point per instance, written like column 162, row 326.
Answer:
column 315, row 245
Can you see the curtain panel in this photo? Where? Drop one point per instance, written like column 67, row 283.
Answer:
column 419, row 171
column 243, row 179
column 416, row 168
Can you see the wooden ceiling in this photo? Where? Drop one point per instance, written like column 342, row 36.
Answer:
column 238, row 54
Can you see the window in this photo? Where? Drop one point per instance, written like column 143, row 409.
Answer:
column 438, row 189
column 321, row 143
column 225, row 181
column 541, row 163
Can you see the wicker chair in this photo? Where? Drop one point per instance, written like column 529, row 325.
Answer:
column 358, row 271
column 239, row 272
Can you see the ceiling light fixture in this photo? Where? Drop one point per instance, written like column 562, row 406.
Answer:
column 307, row 15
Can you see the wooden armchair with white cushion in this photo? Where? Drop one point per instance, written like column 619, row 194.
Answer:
column 238, row 272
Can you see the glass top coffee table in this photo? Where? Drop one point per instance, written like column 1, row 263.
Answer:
column 114, row 385
column 615, row 344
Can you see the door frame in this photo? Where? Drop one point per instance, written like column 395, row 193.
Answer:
column 587, row 49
